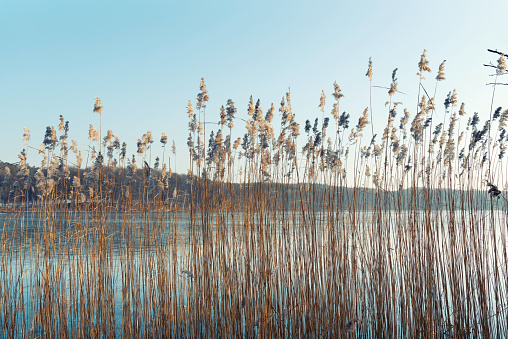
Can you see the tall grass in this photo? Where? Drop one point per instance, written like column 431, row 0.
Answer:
column 343, row 234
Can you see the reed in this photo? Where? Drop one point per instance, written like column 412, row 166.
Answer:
column 343, row 234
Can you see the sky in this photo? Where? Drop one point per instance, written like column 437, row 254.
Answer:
column 145, row 61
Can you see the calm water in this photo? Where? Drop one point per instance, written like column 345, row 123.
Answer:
column 134, row 239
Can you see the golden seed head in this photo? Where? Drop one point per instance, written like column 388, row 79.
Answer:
column 202, row 96
column 369, row 70
column 322, row 101
column 423, row 65
column 189, row 110
column 503, row 119
column 393, row 85
column 79, row 159
column 53, row 135
column 26, row 134
column 440, row 74
column 97, row 107
column 363, row 121
column 61, row 124
column 462, row 110
column 454, row 98
column 501, row 65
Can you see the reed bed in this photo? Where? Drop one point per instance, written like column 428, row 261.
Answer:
column 343, row 234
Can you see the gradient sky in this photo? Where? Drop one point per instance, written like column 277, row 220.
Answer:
column 145, row 61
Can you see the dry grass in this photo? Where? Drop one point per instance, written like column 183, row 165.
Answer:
column 404, row 237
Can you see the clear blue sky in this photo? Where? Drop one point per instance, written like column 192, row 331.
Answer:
column 145, row 60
